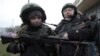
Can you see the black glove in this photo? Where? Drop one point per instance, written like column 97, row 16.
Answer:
column 16, row 48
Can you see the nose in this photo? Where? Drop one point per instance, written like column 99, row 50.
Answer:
column 36, row 19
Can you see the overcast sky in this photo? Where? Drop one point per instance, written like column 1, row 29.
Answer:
column 10, row 10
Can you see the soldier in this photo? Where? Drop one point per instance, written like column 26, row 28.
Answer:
column 77, row 29
column 33, row 17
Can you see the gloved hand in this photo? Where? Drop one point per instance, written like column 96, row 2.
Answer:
column 16, row 48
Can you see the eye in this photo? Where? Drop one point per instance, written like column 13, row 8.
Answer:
column 38, row 17
column 32, row 18
column 35, row 17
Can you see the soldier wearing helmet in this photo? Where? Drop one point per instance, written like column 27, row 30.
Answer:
column 33, row 17
column 73, row 28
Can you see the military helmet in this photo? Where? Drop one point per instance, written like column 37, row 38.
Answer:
column 30, row 7
column 69, row 5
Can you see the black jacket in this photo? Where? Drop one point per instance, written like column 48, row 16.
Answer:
column 87, row 33
column 69, row 27
column 38, row 48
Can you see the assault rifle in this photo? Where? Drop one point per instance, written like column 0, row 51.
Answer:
column 48, row 40
column 84, row 24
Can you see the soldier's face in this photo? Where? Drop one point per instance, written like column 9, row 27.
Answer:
column 67, row 12
column 35, row 20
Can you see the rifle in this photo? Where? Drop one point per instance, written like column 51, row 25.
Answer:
column 83, row 24
column 48, row 40
column 51, row 24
